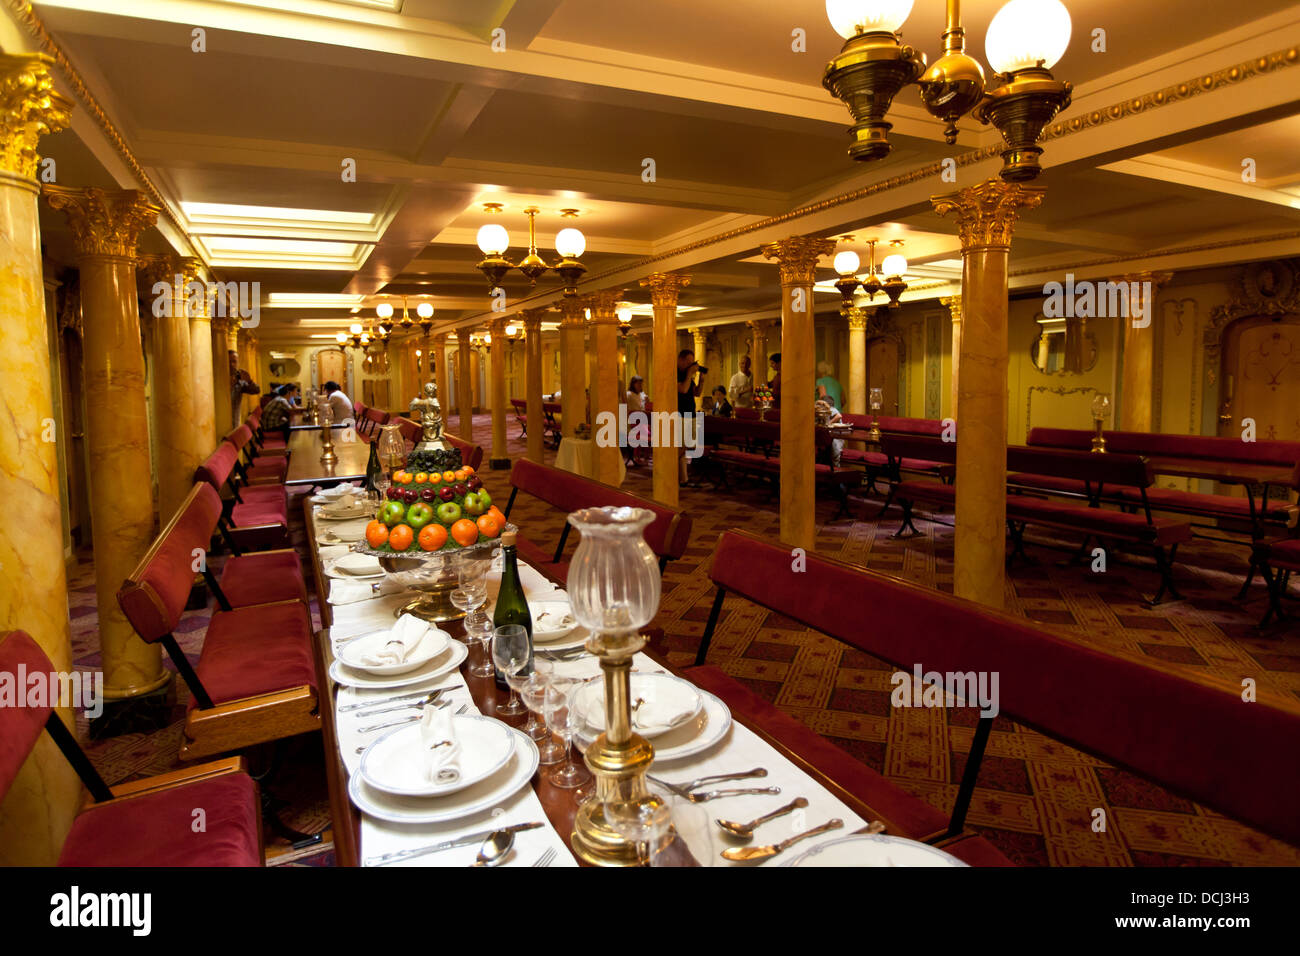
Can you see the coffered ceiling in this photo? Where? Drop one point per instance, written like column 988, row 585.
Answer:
column 440, row 111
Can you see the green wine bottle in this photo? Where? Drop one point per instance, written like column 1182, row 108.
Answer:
column 512, row 606
column 374, row 471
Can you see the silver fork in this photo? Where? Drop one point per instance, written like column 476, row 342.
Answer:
column 715, row 794
column 429, row 698
column 683, row 788
column 364, row 704
column 547, row 857
column 400, row 720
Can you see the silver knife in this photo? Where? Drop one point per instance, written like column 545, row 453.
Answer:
column 468, row 840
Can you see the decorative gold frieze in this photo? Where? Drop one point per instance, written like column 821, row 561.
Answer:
column 798, row 257
column 987, row 212
column 664, row 288
column 29, row 109
column 103, row 223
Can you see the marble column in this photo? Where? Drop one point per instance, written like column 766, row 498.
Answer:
column 953, row 304
column 105, row 228
column 203, row 433
column 986, row 215
column 758, row 356
column 234, row 400
column 165, row 283
column 700, row 345
column 436, row 362
column 533, row 382
column 573, row 365
column 43, row 800
column 1137, row 398
column 221, row 419
column 500, row 458
column 798, row 257
column 605, row 397
column 665, row 288
column 856, row 402
column 465, row 385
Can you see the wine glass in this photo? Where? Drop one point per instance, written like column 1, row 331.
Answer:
column 644, row 821
column 563, row 718
column 532, row 690
column 469, row 600
column 511, row 650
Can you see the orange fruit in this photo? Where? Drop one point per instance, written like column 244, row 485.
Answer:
column 432, row 537
column 406, row 478
column 448, row 476
column 376, row 534
column 435, row 477
column 495, row 512
column 468, row 470
column 487, row 524
column 461, row 474
column 421, row 478
column 464, row 532
column 400, row 538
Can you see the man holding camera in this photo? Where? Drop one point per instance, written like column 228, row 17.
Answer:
column 689, row 387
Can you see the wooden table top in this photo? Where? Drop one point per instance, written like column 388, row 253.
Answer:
column 559, row 804
column 305, row 467
column 1229, row 472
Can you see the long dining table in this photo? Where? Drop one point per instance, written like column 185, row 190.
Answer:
column 349, row 608
column 305, row 467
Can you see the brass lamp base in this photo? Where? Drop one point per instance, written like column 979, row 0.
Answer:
column 618, row 758
column 1099, row 440
column 1020, row 108
column 328, row 457
column 867, row 74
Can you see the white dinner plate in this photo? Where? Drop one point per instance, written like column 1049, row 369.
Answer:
column 710, row 726
column 393, row 763
column 357, row 565
column 432, row 643
column 667, row 702
column 485, row 794
column 878, row 849
column 363, row 509
column 448, row 660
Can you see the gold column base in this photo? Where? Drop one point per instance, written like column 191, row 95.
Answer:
column 618, row 759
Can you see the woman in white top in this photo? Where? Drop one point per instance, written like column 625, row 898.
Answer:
column 638, row 433
column 340, row 405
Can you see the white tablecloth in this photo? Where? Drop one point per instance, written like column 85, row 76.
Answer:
column 739, row 750
column 578, row 455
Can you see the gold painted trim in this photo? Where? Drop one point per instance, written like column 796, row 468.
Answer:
column 1156, row 253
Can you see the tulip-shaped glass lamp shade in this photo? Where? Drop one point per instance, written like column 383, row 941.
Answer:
column 895, row 264
column 877, row 399
column 384, row 310
column 852, row 17
column 493, row 239
column 847, row 263
column 1027, row 33
column 1100, row 406
column 424, row 310
column 614, row 581
column 570, row 243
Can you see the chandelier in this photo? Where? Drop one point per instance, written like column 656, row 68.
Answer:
column 892, row 270
column 423, row 309
column 1024, row 41
column 493, row 240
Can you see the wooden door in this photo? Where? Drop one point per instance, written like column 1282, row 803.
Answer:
column 882, row 372
column 1261, row 377
column 332, row 366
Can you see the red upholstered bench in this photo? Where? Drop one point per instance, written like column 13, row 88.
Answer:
column 1192, row 735
column 257, row 516
column 145, row 823
column 1278, row 560
column 668, row 534
column 256, row 678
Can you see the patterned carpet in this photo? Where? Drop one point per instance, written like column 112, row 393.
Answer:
column 1035, row 796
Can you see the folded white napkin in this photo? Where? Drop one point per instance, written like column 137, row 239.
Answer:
column 553, row 619
column 344, row 504
column 353, row 592
column 338, row 491
column 441, row 749
column 404, row 637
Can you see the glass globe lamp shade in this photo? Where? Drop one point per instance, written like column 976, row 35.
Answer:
column 1026, row 32
column 511, row 329
column 614, row 581
column 487, row 338
column 847, row 263
column 894, row 265
column 624, row 314
column 493, row 239
column 424, row 310
column 341, row 338
column 384, row 310
column 852, row 17
column 570, row 243
column 1100, row 406
column 355, row 328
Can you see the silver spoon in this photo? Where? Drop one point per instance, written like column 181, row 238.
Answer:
column 495, row 848
column 745, row 831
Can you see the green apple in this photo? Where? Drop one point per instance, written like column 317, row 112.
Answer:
column 419, row 515
column 474, row 504
column 449, row 513
column 392, row 513
column 485, row 498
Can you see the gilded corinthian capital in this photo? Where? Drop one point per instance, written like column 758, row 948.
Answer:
column 29, row 109
column 103, row 223
column 573, row 312
column 798, row 257
column 603, row 304
column 664, row 288
column 987, row 212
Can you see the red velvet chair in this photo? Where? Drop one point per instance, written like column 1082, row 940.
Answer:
column 257, row 516
column 470, row 454
column 254, row 469
column 272, row 444
column 143, row 823
column 410, row 431
column 1192, row 735
column 668, row 535
column 256, row 678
